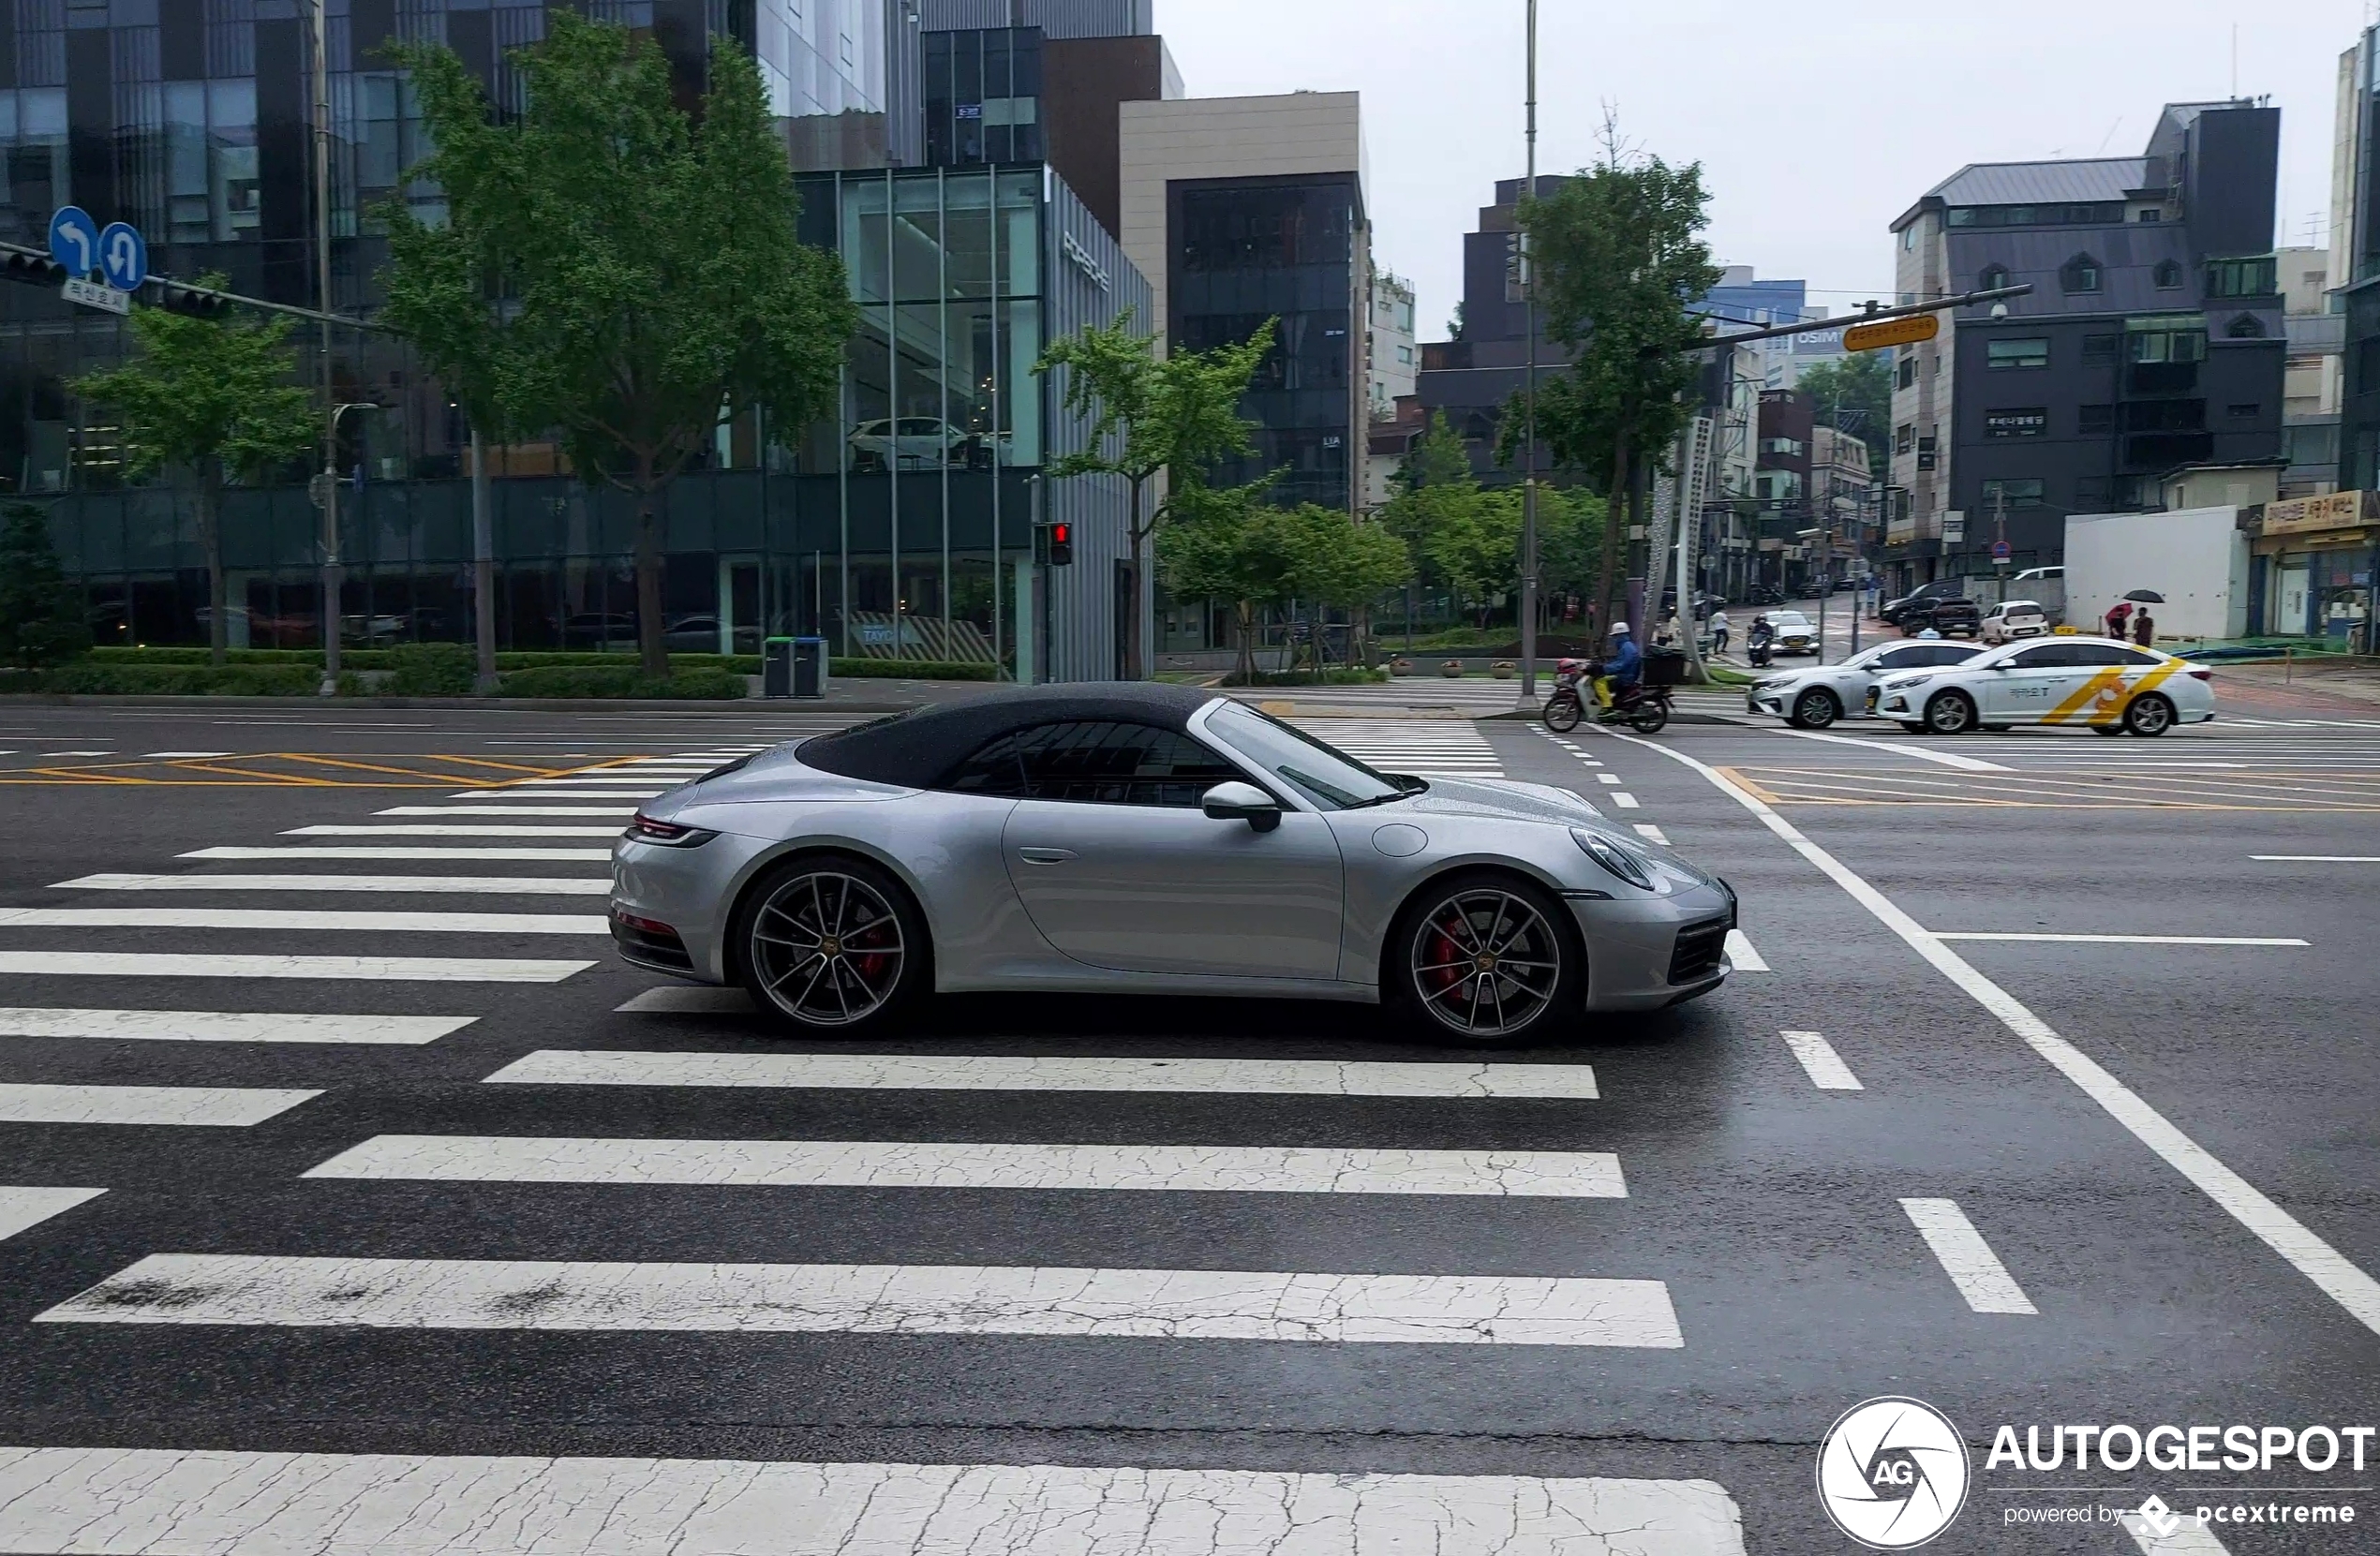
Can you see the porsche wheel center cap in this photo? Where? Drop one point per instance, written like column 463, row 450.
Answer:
column 831, row 946
column 1486, row 962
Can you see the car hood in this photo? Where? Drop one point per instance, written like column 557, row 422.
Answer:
column 1502, row 799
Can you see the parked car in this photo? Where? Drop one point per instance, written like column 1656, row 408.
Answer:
column 595, row 629
column 916, row 442
column 2012, row 619
column 1921, row 599
column 1951, row 618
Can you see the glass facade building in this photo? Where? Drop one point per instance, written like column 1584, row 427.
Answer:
column 895, row 529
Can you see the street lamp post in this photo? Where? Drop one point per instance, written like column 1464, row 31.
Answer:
column 1528, row 397
column 334, row 579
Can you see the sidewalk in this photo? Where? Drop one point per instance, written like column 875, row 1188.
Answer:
column 2337, row 684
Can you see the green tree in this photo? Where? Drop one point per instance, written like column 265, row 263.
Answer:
column 1475, row 546
column 209, row 399
column 615, row 268
column 41, row 615
column 1569, row 545
column 1433, row 489
column 1619, row 260
column 1854, row 395
column 1231, row 545
column 1151, row 416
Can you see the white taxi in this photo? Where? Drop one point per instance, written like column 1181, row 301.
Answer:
column 2091, row 682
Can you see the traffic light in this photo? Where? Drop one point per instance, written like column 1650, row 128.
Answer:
column 1060, row 543
column 197, row 304
column 38, row 269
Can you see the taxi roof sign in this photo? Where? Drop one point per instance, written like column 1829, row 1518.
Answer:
column 1892, row 331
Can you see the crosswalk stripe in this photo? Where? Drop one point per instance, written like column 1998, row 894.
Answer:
column 495, row 886
column 690, row 999
column 1002, row 1072
column 420, row 829
column 506, row 811
column 418, row 856
column 281, row 918
column 393, row 1504
column 231, row 1106
column 753, row 1299
column 981, row 1165
column 396, row 970
column 182, row 1026
column 556, row 794
column 21, row 1207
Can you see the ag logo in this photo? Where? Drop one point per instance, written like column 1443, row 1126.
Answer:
column 1892, row 1473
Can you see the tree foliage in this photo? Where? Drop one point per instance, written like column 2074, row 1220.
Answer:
column 42, row 616
column 1466, row 537
column 1152, row 416
column 1854, row 395
column 1619, row 262
column 209, row 399
column 1230, row 545
column 615, row 269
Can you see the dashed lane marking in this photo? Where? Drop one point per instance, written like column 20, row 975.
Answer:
column 1821, row 1062
column 1966, row 1258
column 1648, row 831
column 2118, row 939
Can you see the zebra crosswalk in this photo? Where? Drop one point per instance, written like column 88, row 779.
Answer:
column 669, row 1097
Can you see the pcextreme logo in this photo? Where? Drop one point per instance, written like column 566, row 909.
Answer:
column 1892, row 1473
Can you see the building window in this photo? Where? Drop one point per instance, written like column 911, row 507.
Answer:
column 1905, row 437
column 2095, row 418
column 2080, row 273
column 2017, row 492
column 2241, row 277
column 2245, row 327
column 2019, row 421
column 1993, row 278
column 1908, row 372
column 2168, row 338
column 1909, row 237
column 2243, row 410
column 2027, row 351
column 2102, row 350
column 2094, row 213
column 2168, row 275
column 2151, row 215
column 1925, row 453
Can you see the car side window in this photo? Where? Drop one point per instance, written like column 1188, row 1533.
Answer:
column 2130, row 657
column 1899, row 658
column 2108, row 653
column 1946, row 653
column 1094, row 763
column 2047, row 656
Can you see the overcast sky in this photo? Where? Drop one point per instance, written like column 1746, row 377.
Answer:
column 1816, row 125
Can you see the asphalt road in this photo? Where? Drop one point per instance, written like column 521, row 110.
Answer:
column 2164, row 1147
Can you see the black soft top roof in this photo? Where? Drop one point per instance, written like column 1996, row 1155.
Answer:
column 913, row 751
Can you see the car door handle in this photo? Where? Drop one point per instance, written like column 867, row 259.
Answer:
column 1045, row 855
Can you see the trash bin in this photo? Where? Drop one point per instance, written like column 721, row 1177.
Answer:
column 776, row 667
column 809, row 667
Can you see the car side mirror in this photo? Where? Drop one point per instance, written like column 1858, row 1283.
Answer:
column 1241, row 801
column 1999, row 664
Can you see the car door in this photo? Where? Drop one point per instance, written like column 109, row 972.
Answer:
column 2105, row 679
column 2029, row 683
column 1119, row 867
column 1890, row 661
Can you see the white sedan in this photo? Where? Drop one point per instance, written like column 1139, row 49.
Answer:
column 2101, row 686
column 1815, row 697
column 2012, row 619
column 1795, row 633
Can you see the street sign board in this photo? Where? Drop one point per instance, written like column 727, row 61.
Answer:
column 1892, row 331
column 124, row 257
column 92, row 294
column 2001, row 550
column 1954, row 525
column 74, row 240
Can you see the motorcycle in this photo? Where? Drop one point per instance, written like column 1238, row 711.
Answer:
column 1642, row 708
column 1760, row 650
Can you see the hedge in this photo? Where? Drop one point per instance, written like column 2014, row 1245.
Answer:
column 88, row 677
column 624, row 680
column 386, row 659
column 432, row 670
column 910, row 670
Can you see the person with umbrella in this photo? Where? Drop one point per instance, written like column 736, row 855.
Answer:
column 2144, row 626
column 2119, row 620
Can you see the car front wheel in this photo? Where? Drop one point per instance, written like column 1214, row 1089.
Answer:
column 1488, row 959
column 1814, row 709
column 831, row 944
column 1950, row 713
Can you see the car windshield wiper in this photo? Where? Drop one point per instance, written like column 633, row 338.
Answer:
column 1407, row 786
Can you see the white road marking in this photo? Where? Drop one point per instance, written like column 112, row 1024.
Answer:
column 2318, row 858
column 573, row 794
column 2120, row 939
column 909, row 1300
column 1947, row 759
column 226, row 1105
column 1969, row 1261
column 422, row 855
column 394, row 1505
column 1611, row 778
column 988, row 1072
column 157, row 755
column 1740, row 952
column 184, row 1026
column 20, row 1208
column 691, row 1000
column 432, row 830
column 77, row 753
column 281, row 918
column 1626, row 801
column 2336, row 1275
column 399, row 969
column 927, row 1165
column 488, row 885
column 507, row 810
column 1824, row 1066
column 1650, row 833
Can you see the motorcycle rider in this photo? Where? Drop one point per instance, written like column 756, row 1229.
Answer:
column 1757, row 640
column 1622, row 668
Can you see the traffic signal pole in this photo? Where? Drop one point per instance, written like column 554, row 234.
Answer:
column 1528, row 436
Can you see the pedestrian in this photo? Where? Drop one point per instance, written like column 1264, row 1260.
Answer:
column 2118, row 620
column 1719, row 631
column 2144, row 629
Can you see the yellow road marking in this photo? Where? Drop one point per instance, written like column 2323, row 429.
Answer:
column 257, row 770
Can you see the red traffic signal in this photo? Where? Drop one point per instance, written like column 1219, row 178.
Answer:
column 1053, row 543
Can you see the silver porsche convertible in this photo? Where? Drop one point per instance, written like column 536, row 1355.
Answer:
column 1152, row 840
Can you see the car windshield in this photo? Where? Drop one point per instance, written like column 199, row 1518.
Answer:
column 1782, row 619
column 1330, row 779
column 2020, row 607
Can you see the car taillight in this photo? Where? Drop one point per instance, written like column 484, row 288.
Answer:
column 2202, row 675
column 644, row 829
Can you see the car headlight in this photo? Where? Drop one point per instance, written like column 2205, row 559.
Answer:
column 1612, row 857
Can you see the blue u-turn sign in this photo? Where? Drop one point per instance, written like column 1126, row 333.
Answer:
column 124, row 258
column 74, row 240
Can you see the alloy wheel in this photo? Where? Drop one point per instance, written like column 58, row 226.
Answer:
column 1486, row 962
column 827, row 948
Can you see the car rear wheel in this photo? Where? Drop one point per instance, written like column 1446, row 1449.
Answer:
column 831, row 944
column 1950, row 713
column 1487, row 958
column 1814, row 709
column 2149, row 715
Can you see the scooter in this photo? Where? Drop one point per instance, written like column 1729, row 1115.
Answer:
column 1760, row 650
column 1567, row 706
column 1642, row 708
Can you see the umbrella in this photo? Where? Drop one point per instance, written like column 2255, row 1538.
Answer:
column 2147, row 596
